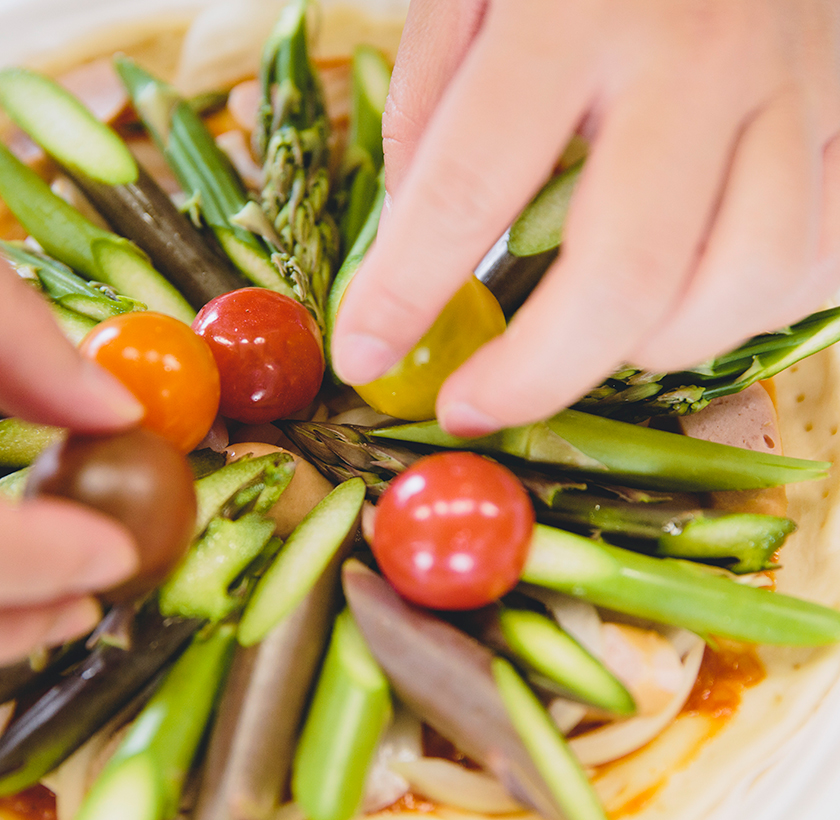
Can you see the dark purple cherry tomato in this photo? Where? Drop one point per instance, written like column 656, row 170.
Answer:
column 453, row 531
column 138, row 478
column 268, row 350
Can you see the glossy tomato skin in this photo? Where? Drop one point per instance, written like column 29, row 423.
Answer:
column 453, row 531
column 167, row 366
column 409, row 389
column 268, row 350
column 138, row 478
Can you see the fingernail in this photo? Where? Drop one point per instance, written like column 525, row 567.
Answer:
column 73, row 621
column 362, row 358
column 462, row 419
column 111, row 392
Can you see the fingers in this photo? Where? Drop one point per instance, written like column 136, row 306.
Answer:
column 632, row 237
column 465, row 183
column 764, row 241
column 53, row 549
column 42, row 377
column 23, row 629
column 436, row 35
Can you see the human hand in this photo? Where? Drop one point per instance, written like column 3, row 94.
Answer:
column 54, row 553
column 708, row 209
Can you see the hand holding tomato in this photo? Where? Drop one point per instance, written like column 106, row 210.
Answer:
column 54, row 553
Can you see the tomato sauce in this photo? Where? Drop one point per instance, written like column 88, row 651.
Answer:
column 724, row 675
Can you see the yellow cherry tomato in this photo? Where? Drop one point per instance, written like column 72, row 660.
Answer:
column 409, row 389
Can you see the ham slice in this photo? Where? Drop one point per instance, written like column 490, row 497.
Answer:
column 747, row 419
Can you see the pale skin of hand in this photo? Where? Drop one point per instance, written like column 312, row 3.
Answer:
column 53, row 553
column 708, row 209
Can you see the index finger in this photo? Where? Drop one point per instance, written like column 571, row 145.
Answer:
column 465, row 183
column 42, row 377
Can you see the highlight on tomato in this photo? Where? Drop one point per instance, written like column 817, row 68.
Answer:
column 269, row 352
column 167, row 366
column 409, row 389
column 453, row 531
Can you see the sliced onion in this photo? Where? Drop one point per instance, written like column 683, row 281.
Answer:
column 402, row 742
column 450, row 784
column 566, row 714
column 646, row 662
column 617, row 739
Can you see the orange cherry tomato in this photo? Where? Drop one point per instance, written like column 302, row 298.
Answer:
column 167, row 366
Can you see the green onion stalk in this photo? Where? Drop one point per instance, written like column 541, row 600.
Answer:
column 292, row 138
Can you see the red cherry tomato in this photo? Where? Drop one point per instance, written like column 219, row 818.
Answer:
column 268, row 350
column 167, row 366
column 452, row 532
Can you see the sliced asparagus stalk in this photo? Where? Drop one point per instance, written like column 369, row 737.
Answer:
column 245, row 775
column 143, row 212
column 201, row 586
column 674, row 592
column 514, row 265
column 217, row 490
column 350, row 265
column 329, row 529
column 371, row 76
column 203, row 171
column 445, row 677
column 144, row 778
column 350, row 708
column 554, row 655
column 741, row 542
column 72, row 710
column 92, row 251
column 622, row 453
column 64, row 128
column 548, row 748
column 21, row 442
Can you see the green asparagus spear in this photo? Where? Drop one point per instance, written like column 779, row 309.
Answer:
column 675, row 592
column 741, row 542
column 92, row 251
column 551, row 754
column 553, row 654
column 514, row 265
column 144, row 778
column 203, row 171
column 21, row 442
column 622, row 453
column 64, row 128
column 350, row 265
column 632, row 394
column 350, row 708
column 371, row 76
column 328, row 530
column 292, row 136
column 67, row 714
column 131, row 201
column 200, row 586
